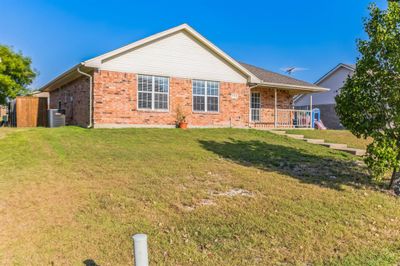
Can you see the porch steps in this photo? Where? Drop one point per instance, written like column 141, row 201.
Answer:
column 334, row 146
column 314, row 141
column 277, row 132
column 293, row 136
column 358, row 152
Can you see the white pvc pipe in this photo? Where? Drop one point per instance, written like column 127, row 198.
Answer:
column 140, row 250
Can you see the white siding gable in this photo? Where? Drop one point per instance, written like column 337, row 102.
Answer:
column 334, row 82
column 176, row 55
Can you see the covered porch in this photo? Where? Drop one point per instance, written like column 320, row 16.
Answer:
column 271, row 107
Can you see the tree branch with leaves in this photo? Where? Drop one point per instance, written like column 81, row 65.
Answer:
column 16, row 74
column 369, row 103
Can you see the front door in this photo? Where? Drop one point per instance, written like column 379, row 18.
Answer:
column 255, row 107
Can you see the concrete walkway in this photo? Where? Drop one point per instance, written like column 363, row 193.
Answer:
column 335, row 146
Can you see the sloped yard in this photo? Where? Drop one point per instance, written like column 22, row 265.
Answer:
column 69, row 196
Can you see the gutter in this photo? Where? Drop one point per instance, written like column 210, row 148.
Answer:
column 291, row 87
column 66, row 73
column 90, row 95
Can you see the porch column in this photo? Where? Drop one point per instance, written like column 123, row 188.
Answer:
column 276, row 109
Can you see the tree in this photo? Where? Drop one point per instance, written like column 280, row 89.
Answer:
column 369, row 103
column 15, row 73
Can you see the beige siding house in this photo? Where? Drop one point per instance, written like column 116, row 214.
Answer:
column 334, row 80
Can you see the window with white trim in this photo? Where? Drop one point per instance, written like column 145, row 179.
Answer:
column 205, row 96
column 255, row 105
column 153, row 92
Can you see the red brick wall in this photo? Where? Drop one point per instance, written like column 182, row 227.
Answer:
column 115, row 102
column 74, row 98
column 267, row 111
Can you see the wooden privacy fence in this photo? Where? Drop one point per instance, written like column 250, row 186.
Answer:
column 27, row 111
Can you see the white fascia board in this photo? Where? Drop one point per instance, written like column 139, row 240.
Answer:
column 59, row 77
column 305, row 89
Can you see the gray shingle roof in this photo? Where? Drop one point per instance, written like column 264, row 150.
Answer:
column 272, row 77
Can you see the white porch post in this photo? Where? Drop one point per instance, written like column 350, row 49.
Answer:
column 276, row 109
column 311, row 114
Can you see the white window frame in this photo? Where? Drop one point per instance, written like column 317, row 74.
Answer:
column 153, row 92
column 205, row 96
column 251, row 107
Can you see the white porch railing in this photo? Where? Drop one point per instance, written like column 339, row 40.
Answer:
column 284, row 118
column 290, row 118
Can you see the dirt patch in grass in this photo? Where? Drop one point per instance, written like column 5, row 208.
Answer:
column 234, row 192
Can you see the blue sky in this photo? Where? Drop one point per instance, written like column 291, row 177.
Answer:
column 312, row 34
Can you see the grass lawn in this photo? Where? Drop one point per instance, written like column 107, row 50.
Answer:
column 334, row 136
column 204, row 197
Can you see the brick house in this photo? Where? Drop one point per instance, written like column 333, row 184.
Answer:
column 144, row 83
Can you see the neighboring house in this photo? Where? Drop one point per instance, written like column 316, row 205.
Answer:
column 334, row 80
column 40, row 94
column 144, row 83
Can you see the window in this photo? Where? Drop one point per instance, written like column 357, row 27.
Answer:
column 205, row 96
column 153, row 92
column 255, row 103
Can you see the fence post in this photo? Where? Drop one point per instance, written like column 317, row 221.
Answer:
column 140, row 250
column 311, row 114
column 275, row 108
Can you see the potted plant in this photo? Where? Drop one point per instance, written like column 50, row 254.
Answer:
column 181, row 118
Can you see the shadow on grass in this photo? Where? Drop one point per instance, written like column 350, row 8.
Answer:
column 297, row 163
column 90, row 262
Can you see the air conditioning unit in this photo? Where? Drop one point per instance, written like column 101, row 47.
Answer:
column 56, row 118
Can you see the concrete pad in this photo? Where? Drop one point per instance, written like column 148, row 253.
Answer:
column 315, row 141
column 293, row 136
column 278, row 132
column 358, row 152
column 334, row 145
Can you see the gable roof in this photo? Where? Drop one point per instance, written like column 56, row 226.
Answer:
column 267, row 76
column 254, row 75
column 95, row 62
column 350, row 67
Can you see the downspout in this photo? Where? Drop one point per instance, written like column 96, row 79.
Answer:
column 90, row 95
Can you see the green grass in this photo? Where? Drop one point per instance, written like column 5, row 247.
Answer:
column 334, row 136
column 70, row 195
